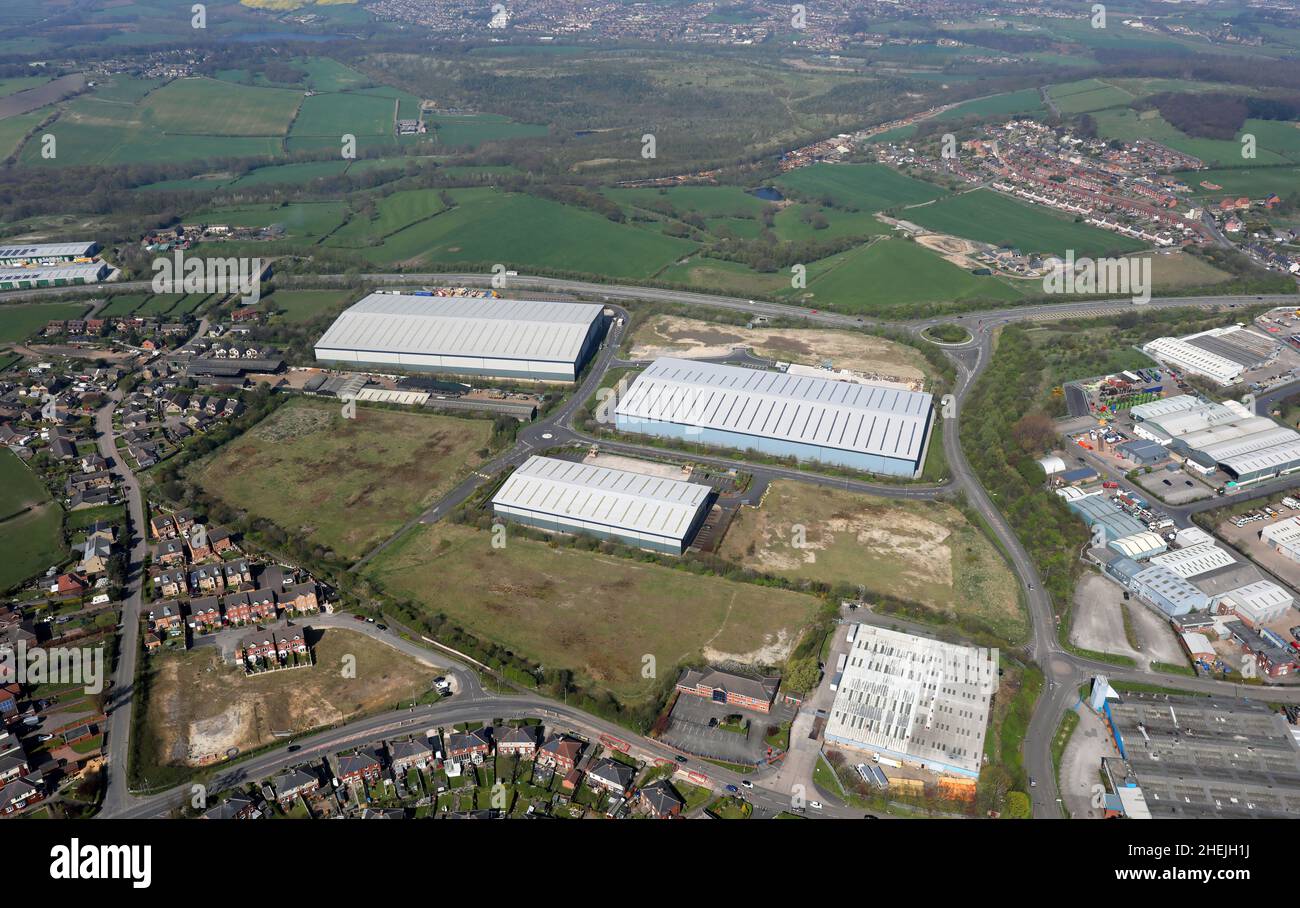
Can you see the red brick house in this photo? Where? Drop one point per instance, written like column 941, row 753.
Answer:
column 465, row 745
column 729, row 689
column 299, row 598
column 561, row 752
column 21, row 793
column 358, row 767
column 517, row 742
column 660, row 800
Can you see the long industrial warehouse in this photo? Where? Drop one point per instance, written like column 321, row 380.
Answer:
column 502, row 338
column 650, row 512
column 865, row 427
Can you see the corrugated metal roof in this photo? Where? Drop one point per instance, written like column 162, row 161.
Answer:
column 1165, row 406
column 1278, row 456
column 454, row 326
column 620, row 499
column 1261, row 594
column 47, row 250
column 889, row 422
column 1195, row 560
column 1139, row 545
column 1249, row 444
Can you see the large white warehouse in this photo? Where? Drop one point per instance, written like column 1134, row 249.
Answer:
column 865, row 427
column 501, row 338
column 919, row 700
column 650, row 512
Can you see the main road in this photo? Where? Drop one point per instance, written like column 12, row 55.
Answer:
column 1063, row 670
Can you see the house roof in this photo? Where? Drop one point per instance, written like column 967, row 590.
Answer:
column 613, row 771
column 661, row 796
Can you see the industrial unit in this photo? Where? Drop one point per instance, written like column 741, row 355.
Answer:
column 914, row 699
column 53, row 276
column 650, row 512
column 1283, row 537
column 861, row 426
column 1195, row 560
column 47, row 252
column 1159, row 586
column 1180, row 354
column 1258, row 603
column 1212, row 436
column 528, row 339
column 1096, row 511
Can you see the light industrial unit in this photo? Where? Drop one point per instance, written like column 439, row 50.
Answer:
column 861, row 426
column 47, row 252
column 541, row 341
column 638, row 509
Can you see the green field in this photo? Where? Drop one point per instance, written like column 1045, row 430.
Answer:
column 30, row 523
column 864, row 187
column 1255, row 182
column 1087, row 95
column 212, row 108
column 1277, row 142
column 472, row 131
column 391, row 214
column 896, row 272
column 989, row 217
column 20, row 321
column 598, row 615
column 304, row 221
column 344, row 484
column 526, row 231
column 333, row 115
column 304, row 305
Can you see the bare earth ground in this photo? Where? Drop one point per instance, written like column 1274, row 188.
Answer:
column 924, row 552
column 1088, row 744
column 671, row 335
column 202, row 707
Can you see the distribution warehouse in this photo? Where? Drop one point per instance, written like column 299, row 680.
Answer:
column 861, row 426
column 505, row 338
column 650, row 512
column 919, row 700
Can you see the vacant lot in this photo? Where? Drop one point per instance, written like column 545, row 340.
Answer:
column 924, row 552
column 201, row 707
column 671, row 335
column 596, row 614
column 345, row 483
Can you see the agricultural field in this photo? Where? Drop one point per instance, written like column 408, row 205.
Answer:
column 989, row 217
column 31, row 524
column 345, row 484
column 861, row 187
column 391, row 214
column 673, row 335
column 20, row 321
column 201, row 706
column 1277, row 141
column 924, row 552
column 295, row 306
column 522, row 230
column 301, row 221
column 1087, row 95
column 595, row 614
column 210, row 107
column 1254, row 182
column 472, row 131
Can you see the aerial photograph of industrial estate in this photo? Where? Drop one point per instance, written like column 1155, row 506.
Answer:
column 650, row 409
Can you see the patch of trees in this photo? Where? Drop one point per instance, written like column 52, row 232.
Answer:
column 1219, row 115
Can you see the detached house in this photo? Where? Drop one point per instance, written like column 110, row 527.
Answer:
column 169, row 552
column 660, row 800
column 21, row 793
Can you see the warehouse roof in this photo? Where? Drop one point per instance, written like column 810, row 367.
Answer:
column 89, row 272
column 1183, row 355
column 1282, row 456
column 1284, row 532
column 1139, row 545
column 1256, row 441
column 1235, row 431
column 462, row 326
column 889, row 422
column 1260, row 595
column 1185, row 422
column 1170, row 587
column 48, row 250
column 1165, row 406
column 637, row 502
column 1195, row 560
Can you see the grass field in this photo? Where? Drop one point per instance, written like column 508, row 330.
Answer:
column 1255, row 182
column 925, row 552
column 1087, row 95
column 345, row 484
column 20, row 321
column 895, row 272
column 30, row 523
column 332, row 115
column 865, row 187
column 392, row 213
column 989, row 217
column 523, row 230
column 212, row 108
column 199, row 706
column 304, row 305
column 303, row 220
column 1277, row 142
column 596, row 614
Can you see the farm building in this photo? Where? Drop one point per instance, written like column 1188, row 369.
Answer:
column 860, row 426
column 501, row 338
column 914, row 699
column 46, row 252
column 638, row 509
